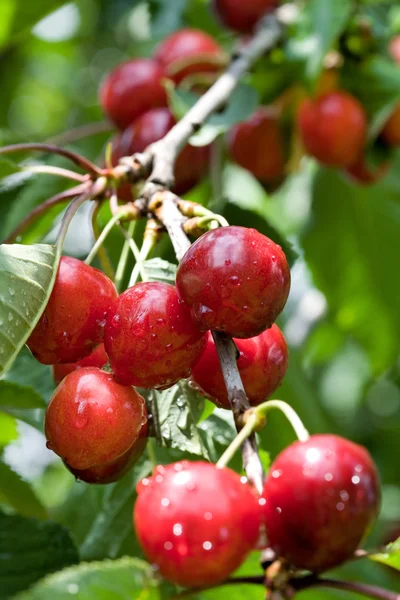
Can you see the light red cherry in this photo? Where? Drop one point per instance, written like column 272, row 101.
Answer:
column 98, row 358
column 262, row 365
column 333, row 128
column 92, row 420
column 131, row 89
column 321, row 498
column 72, row 323
column 243, row 15
column 235, row 280
column 189, row 52
column 197, row 523
column 150, row 337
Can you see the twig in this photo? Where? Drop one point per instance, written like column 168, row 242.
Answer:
column 364, row 589
column 78, row 133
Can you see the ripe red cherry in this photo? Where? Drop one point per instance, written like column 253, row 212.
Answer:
column 257, row 145
column 321, row 498
column 333, row 128
column 73, row 321
column 262, row 366
column 197, row 523
column 235, row 280
column 192, row 162
column 132, row 88
column 92, row 420
column 243, row 16
column 364, row 174
column 391, row 130
column 98, row 358
column 115, row 470
column 189, row 52
column 150, row 337
column 394, row 48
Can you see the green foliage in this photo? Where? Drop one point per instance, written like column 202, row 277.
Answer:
column 390, row 556
column 18, row 493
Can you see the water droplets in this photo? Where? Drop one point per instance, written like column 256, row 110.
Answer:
column 177, row 529
column 227, row 262
column 207, row 545
column 11, row 291
column 355, row 479
column 340, row 506
column 234, row 280
column 82, row 416
column 276, row 473
column 72, row 588
column 344, row 495
column 208, row 516
column 10, row 317
column 168, row 545
column 165, row 501
column 328, row 477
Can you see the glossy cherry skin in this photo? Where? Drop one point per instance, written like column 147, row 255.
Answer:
column 257, row 145
column 262, row 365
column 131, row 89
column 235, row 280
column 321, row 498
column 150, row 337
column 197, row 523
column 189, row 52
column 364, row 174
column 333, row 128
column 98, row 358
column 115, row 470
column 93, row 420
column 72, row 324
column 242, row 16
column 192, row 162
column 391, row 130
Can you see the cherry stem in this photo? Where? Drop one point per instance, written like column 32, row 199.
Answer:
column 103, row 235
column 102, row 252
column 79, row 160
column 123, row 259
column 291, row 415
column 43, row 208
column 135, row 251
column 239, row 440
column 58, row 171
column 145, row 251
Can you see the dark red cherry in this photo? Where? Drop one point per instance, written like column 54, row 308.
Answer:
column 391, row 130
column 189, row 52
column 192, row 162
column 235, row 280
column 242, row 15
column 364, row 174
column 321, row 498
column 98, row 358
column 72, row 323
column 131, row 89
column 333, row 128
column 150, row 337
column 262, row 366
column 257, row 145
column 197, row 523
column 92, row 420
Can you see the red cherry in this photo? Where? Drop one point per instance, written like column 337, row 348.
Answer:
column 115, row 470
column 131, row 89
column 363, row 174
column 391, row 130
column 257, row 145
column 192, row 162
column 262, row 365
column 72, row 323
column 243, row 16
column 150, row 337
column 321, row 498
column 92, row 420
column 235, row 280
column 333, row 128
column 98, row 358
column 189, row 52
column 394, row 48
column 197, row 523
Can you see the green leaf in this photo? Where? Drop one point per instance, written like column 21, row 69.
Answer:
column 27, row 371
column 124, row 579
column 19, row 396
column 18, row 493
column 157, row 269
column 351, row 247
column 8, row 429
column 27, row 276
column 29, row 550
column 22, row 16
column 390, row 557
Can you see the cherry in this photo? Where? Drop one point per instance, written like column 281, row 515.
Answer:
column 391, row 130
column 394, row 48
column 333, row 128
column 262, row 366
column 131, row 89
column 364, row 174
column 235, row 280
column 243, row 16
column 98, row 358
column 189, row 52
column 192, row 162
column 257, row 145
column 321, row 498
column 115, row 470
column 197, row 523
column 150, row 337
column 72, row 323
column 92, row 420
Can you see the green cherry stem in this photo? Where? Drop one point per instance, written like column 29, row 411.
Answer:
column 135, row 251
column 238, row 441
column 291, row 415
column 103, row 235
column 119, row 275
column 145, row 251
